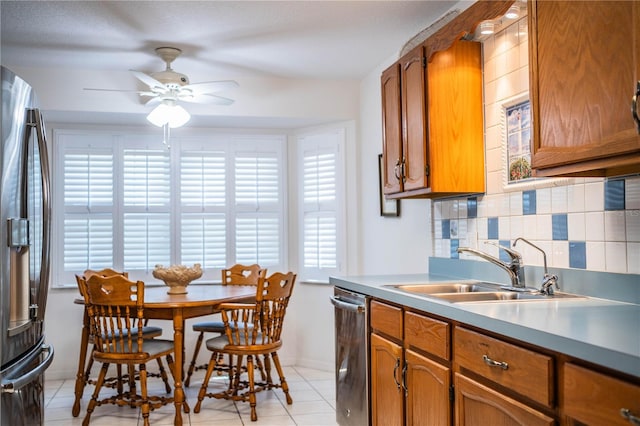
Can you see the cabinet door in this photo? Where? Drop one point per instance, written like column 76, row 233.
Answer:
column 584, row 61
column 597, row 399
column 456, row 126
column 392, row 129
column 428, row 386
column 386, row 376
column 478, row 405
column 414, row 106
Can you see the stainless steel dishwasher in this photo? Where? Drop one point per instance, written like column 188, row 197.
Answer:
column 352, row 384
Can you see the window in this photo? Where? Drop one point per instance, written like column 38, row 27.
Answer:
column 130, row 203
column 320, row 165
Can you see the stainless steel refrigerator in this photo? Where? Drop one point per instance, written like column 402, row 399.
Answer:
column 25, row 231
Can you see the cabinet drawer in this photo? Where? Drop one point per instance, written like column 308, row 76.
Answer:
column 521, row 370
column 427, row 334
column 386, row 319
column 596, row 399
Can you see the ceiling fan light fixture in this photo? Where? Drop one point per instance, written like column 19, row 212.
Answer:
column 168, row 113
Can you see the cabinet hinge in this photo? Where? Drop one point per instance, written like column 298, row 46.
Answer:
column 452, row 394
column 426, row 170
column 424, row 62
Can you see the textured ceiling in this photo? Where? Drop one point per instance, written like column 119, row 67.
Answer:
column 291, row 39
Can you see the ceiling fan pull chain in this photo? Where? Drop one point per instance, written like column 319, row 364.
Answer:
column 166, row 135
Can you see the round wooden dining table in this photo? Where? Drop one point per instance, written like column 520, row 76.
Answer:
column 200, row 300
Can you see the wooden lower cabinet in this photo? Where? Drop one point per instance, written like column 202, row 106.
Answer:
column 408, row 387
column 387, row 395
column 418, row 360
column 479, row 405
column 593, row 398
column 427, row 396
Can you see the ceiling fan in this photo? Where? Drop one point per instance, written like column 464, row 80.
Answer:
column 168, row 87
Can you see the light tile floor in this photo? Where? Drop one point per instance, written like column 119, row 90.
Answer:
column 313, row 394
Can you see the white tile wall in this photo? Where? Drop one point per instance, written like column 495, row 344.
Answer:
column 612, row 238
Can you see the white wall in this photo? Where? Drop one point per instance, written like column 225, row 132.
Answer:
column 388, row 245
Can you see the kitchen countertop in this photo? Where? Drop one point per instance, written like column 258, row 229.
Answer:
column 600, row 331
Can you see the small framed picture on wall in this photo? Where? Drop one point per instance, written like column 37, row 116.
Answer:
column 390, row 208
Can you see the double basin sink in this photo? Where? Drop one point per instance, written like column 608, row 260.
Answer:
column 478, row 291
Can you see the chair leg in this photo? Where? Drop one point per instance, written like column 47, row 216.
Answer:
column 283, row 381
column 163, row 374
column 96, row 392
column 87, row 372
column 264, row 375
column 267, row 368
column 192, row 366
column 235, row 373
column 205, row 382
column 252, row 389
column 119, row 387
column 143, row 393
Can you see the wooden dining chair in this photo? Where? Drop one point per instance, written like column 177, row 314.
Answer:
column 86, row 363
column 115, row 307
column 252, row 329
column 235, row 275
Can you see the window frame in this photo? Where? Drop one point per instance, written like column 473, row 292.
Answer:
column 319, row 140
column 231, row 143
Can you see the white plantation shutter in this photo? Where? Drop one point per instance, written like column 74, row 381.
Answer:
column 321, row 240
column 146, row 194
column 203, row 197
column 130, row 203
column 88, row 179
column 88, row 187
column 258, row 239
column 204, row 240
column 88, row 242
column 320, row 235
column 146, row 178
column 258, row 197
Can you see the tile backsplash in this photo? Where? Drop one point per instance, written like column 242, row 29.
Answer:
column 594, row 239
column 585, row 223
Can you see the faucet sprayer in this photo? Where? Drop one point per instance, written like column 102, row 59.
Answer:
column 549, row 280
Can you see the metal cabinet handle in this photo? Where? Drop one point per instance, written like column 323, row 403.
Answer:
column 396, row 170
column 395, row 372
column 626, row 413
column 404, row 379
column 634, row 107
column 492, row 363
column 404, row 172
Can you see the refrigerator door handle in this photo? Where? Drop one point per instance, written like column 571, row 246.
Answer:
column 14, row 385
column 46, row 213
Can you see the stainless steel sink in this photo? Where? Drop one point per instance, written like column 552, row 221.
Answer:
column 477, row 291
column 501, row 296
column 447, row 287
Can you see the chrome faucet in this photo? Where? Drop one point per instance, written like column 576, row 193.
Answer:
column 513, row 267
column 549, row 280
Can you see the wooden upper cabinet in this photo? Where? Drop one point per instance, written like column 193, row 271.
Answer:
column 404, row 123
column 438, row 150
column 456, row 125
column 432, row 112
column 584, row 68
column 414, row 119
column 391, row 129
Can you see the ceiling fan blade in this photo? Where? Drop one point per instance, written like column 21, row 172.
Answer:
column 205, row 98
column 209, row 87
column 113, row 90
column 153, row 101
column 148, row 80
